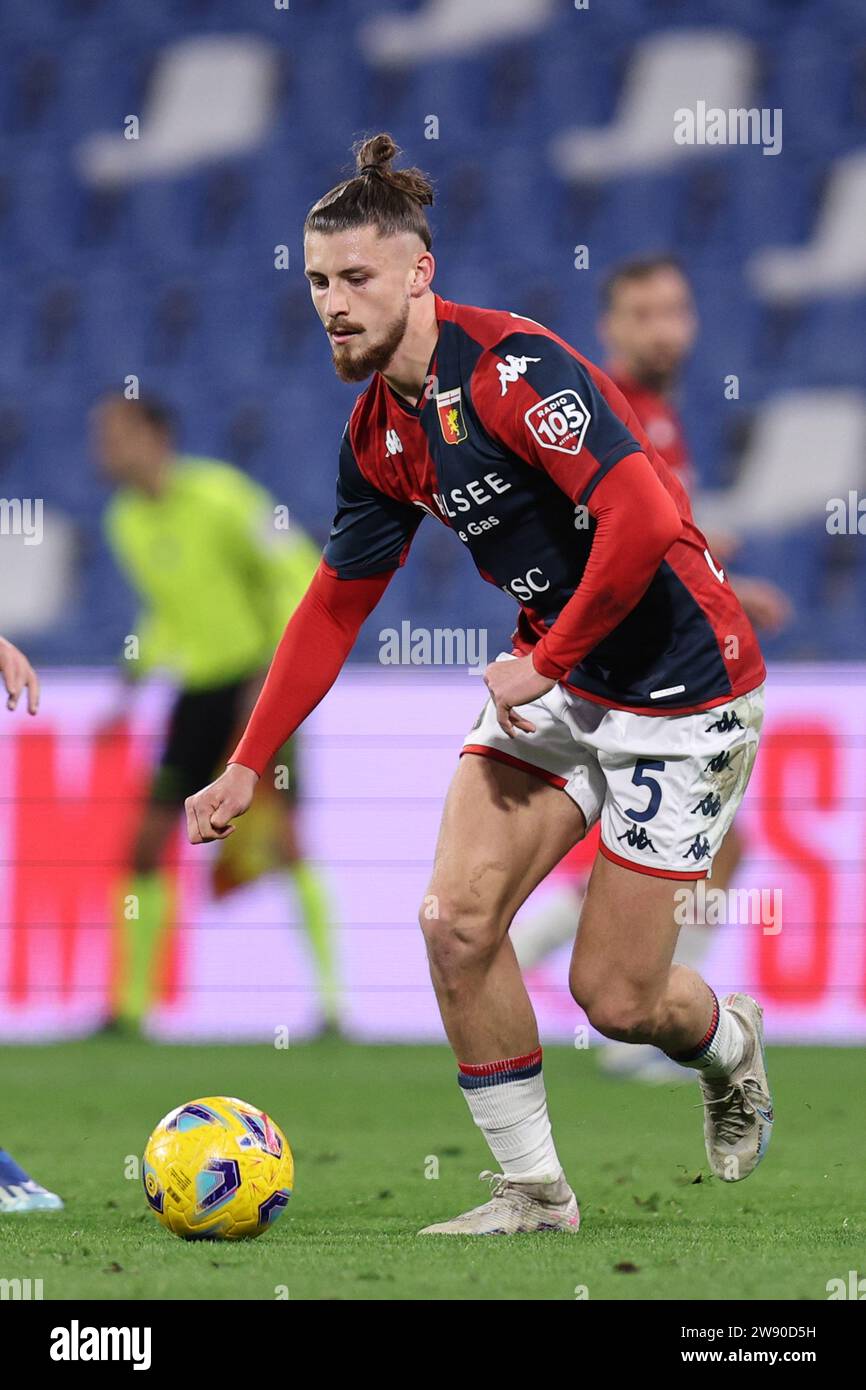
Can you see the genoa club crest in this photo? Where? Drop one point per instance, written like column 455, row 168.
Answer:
column 450, row 410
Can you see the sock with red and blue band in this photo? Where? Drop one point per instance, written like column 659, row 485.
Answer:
column 720, row 1050
column 508, row 1103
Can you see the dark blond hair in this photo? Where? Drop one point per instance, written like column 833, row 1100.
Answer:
column 392, row 200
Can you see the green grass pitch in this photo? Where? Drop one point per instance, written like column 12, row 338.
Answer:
column 365, row 1124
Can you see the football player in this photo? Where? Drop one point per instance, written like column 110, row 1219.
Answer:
column 632, row 694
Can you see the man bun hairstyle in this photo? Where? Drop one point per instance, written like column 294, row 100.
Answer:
column 377, row 195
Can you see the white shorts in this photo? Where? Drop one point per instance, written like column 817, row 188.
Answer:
column 665, row 787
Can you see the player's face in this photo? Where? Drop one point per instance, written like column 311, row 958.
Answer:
column 360, row 285
column 651, row 325
column 126, row 445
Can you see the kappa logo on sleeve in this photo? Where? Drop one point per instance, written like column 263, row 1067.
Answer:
column 511, row 369
column 559, row 421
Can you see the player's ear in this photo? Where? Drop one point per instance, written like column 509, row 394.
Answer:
column 425, row 268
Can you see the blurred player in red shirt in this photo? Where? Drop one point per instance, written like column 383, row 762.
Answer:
column 648, row 325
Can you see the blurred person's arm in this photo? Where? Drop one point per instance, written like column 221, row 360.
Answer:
column 17, row 675
column 277, row 562
column 766, row 606
column 130, row 670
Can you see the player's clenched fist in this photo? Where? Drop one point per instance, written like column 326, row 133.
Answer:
column 210, row 811
column 18, row 674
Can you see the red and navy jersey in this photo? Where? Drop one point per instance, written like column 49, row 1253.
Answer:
column 506, row 447
column 661, row 423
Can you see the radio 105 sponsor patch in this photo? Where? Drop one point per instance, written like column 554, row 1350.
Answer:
column 559, row 421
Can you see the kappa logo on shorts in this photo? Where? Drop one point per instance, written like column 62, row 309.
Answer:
column 559, row 422
column 718, row 763
column 637, row 839
column 710, row 806
column 728, row 721
column 699, row 849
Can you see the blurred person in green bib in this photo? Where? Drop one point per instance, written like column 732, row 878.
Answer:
column 218, row 581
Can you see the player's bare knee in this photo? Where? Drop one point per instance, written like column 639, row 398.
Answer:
column 623, row 1014
column 460, row 937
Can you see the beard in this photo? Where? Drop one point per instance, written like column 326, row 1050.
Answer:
column 659, row 374
column 660, row 380
column 354, row 366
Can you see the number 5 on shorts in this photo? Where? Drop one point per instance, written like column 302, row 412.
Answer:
column 640, row 779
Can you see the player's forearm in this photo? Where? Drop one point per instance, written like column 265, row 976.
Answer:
column 308, row 659
column 637, row 523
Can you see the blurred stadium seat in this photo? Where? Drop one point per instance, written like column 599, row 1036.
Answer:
column 667, row 72
column 834, row 260
column 211, row 97
column 805, row 447
column 448, row 28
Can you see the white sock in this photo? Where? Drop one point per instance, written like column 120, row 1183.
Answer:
column 509, row 1105
column 554, row 924
column 721, row 1049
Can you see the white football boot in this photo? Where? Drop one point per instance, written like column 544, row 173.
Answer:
column 738, row 1109
column 515, row 1208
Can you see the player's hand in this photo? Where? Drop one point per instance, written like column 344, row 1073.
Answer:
column 17, row 674
column 764, row 602
column 722, row 545
column 515, row 683
column 210, row 811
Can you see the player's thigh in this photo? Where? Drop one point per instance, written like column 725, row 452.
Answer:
column 674, row 784
column 502, row 831
column 627, row 935
column 673, row 787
